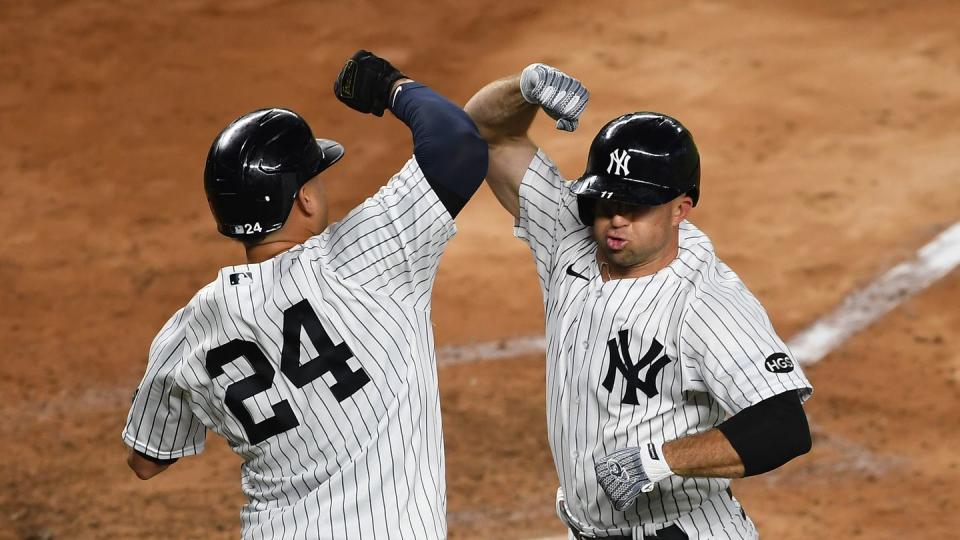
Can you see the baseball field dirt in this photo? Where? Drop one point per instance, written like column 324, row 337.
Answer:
column 828, row 133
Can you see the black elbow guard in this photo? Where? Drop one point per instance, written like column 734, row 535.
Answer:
column 769, row 434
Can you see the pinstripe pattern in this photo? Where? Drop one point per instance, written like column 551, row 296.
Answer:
column 715, row 335
column 370, row 466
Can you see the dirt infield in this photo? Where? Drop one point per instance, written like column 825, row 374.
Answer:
column 829, row 138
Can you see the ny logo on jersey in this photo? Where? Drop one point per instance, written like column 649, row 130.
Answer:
column 618, row 160
column 620, row 361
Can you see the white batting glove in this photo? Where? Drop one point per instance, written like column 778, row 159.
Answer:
column 626, row 473
column 561, row 96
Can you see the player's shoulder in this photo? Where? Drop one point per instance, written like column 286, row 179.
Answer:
column 712, row 283
column 171, row 336
column 408, row 189
column 542, row 162
column 200, row 315
column 206, row 304
column 212, row 291
column 182, row 316
column 543, row 170
column 409, row 178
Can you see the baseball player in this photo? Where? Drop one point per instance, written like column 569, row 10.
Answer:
column 665, row 377
column 315, row 359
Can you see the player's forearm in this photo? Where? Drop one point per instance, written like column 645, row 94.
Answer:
column 756, row 440
column 625, row 473
column 146, row 467
column 500, row 112
column 448, row 148
column 707, row 454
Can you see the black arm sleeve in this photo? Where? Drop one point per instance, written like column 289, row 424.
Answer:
column 446, row 143
column 769, row 434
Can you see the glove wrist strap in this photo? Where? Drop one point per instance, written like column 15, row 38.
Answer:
column 654, row 464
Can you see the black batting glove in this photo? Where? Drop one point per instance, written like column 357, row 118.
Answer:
column 364, row 82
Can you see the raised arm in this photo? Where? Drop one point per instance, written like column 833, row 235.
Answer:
column 503, row 112
column 449, row 151
column 448, row 148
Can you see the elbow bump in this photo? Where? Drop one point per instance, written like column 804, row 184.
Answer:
column 470, row 152
column 465, row 133
column 479, row 155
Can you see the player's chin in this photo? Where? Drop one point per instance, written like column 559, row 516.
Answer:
column 623, row 258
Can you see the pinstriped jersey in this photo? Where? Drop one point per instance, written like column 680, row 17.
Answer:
column 318, row 367
column 653, row 358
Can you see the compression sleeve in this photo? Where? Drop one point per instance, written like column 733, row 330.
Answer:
column 769, row 434
column 446, row 143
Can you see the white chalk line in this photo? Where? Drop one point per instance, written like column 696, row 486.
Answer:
column 857, row 311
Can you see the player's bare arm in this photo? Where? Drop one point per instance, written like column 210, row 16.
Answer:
column 504, row 111
column 754, row 441
column 503, row 118
column 146, row 467
column 707, row 454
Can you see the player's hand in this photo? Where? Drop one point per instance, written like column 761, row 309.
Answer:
column 622, row 476
column 561, row 96
column 365, row 82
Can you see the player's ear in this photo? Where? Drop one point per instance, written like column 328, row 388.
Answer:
column 310, row 197
column 681, row 208
column 304, row 199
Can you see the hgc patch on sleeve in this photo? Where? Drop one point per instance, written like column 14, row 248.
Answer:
column 778, row 363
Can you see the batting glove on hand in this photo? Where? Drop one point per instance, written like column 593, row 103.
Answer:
column 626, row 473
column 561, row 96
column 365, row 81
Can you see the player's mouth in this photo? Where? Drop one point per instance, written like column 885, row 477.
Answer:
column 615, row 243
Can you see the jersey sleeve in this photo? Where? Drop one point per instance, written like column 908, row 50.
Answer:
column 547, row 212
column 392, row 243
column 729, row 349
column 160, row 423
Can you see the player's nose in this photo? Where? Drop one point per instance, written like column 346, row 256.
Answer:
column 618, row 219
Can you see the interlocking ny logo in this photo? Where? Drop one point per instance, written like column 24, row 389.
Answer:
column 619, row 159
column 620, row 361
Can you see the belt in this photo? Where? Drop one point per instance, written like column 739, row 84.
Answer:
column 671, row 532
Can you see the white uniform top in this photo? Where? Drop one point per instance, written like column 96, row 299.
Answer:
column 693, row 342
column 318, row 367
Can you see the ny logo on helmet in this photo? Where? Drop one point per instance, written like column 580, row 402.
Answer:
column 619, row 159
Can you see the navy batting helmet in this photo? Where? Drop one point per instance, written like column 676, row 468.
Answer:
column 256, row 166
column 642, row 158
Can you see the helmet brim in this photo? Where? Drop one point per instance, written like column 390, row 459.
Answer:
column 624, row 190
column 330, row 152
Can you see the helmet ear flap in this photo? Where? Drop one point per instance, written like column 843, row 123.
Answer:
column 586, row 207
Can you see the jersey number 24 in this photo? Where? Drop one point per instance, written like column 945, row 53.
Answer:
column 330, row 358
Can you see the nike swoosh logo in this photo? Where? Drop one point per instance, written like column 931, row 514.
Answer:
column 572, row 272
